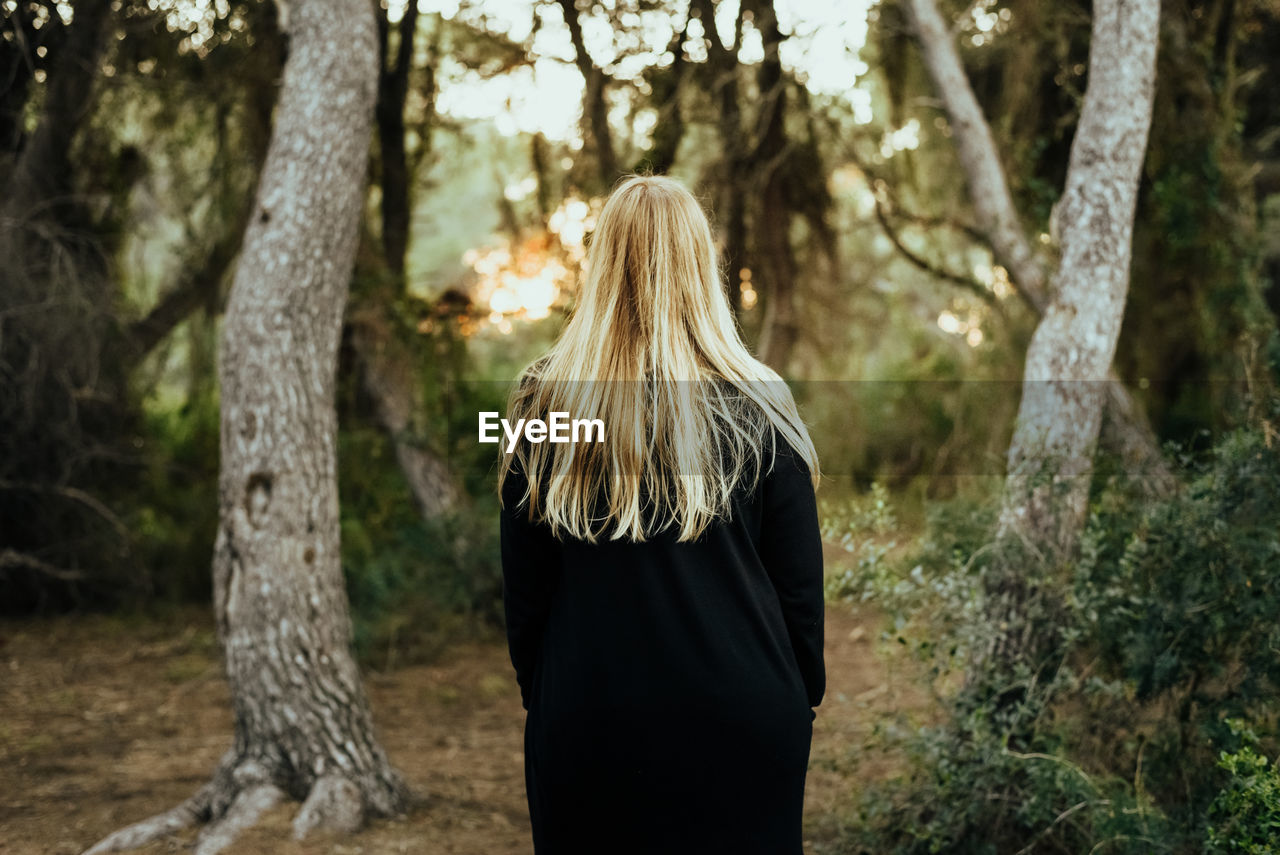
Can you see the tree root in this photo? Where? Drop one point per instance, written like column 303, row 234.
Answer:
column 334, row 804
column 234, row 800
column 185, row 815
column 248, row 806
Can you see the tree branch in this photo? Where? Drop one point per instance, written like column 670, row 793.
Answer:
column 965, row 282
column 13, row 558
column 976, row 150
column 198, row 283
column 594, row 106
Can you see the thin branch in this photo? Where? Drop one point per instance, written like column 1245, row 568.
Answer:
column 74, row 494
column 13, row 558
column 965, row 282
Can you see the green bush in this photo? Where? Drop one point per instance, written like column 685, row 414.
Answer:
column 1110, row 728
column 169, row 508
column 414, row 585
column 1244, row 818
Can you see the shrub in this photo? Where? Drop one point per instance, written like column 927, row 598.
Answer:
column 414, row 585
column 1244, row 818
column 1111, row 729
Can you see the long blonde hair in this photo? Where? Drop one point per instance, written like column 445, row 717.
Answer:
column 652, row 349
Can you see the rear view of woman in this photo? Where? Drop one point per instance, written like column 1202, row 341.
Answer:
column 663, row 587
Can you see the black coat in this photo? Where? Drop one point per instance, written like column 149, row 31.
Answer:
column 669, row 685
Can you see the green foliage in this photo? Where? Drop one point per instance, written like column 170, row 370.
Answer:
column 1179, row 603
column 1244, row 818
column 1092, row 709
column 173, row 504
column 414, row 585
column 924, row 416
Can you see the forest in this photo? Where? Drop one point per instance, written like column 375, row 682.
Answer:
column 262, row 263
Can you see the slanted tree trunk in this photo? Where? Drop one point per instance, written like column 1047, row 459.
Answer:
column 302, row 724
column 385, row 365
column 388, row 376
column 1125, row 429
column 1069, row 359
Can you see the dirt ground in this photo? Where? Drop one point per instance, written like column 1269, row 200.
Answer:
column 105, row 721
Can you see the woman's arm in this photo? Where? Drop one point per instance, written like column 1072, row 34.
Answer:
column 530, row 569
column 791, row 550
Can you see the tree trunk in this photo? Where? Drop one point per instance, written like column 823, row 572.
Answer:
column 1125, row 430
column 594, row 106
column 1068, row 361
column 777, row 267
column 278, row 588
column 302, row 723
column 385, row 370
column 722, row 71
column 387, row 375
column 665, row 97
column 393, row 89
column 42, row 173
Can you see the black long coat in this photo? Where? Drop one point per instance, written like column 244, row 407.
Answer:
column 669, row 685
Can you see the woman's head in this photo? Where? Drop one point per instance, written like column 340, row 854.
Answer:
column 652, row 297
column 653, row 350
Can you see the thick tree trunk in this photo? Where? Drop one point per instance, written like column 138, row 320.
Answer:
column 278, row 588
column 1125, row 430
column 302, row 723
column 1068, row 361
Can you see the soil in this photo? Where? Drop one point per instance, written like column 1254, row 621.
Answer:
column 105, row 721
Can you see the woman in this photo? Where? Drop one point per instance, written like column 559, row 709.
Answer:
column 663, row 588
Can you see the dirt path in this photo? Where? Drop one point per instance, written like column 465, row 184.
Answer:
column 104, row 722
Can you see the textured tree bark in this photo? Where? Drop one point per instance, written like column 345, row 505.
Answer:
column 302, row 723
column 1068, row 361
column 1125, row 429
